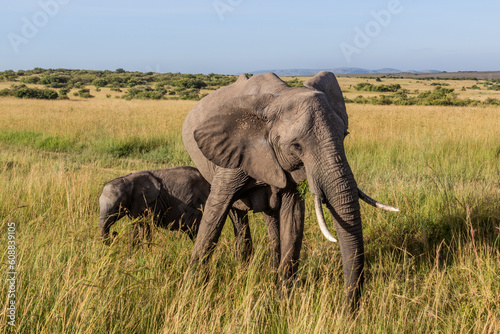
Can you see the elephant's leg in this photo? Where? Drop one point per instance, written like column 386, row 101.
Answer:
column 291, row 226
column 241, row 234
column 141, row 232
column 226, row 185
column 147, row 236
column 134, row 234
column 273, row 229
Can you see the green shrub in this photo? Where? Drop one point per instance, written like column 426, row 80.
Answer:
column 63, row 93
column 145, row 93
column 55, row 80
column 189, row 94
column 365, row 86
column 135, row 82
column 8, row 75
column 31, row 80
column 36, row 93
column 24, row 92
column 295, row 83
column 84, row 93
column 360, row 99
column 382, row 100
column 439, row 96
column 6, row 92
column 388, row 88
column 100, row 82
column 190, row 83
column 492, row 101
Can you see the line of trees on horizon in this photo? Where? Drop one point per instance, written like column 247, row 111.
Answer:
column 166, row 85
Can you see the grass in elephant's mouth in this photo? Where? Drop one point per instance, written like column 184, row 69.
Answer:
column 433, row 267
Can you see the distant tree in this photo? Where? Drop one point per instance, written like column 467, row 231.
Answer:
column 85, row 93
column 101, row 82
column 24, row 92
column 63, row 93
column 31, row 79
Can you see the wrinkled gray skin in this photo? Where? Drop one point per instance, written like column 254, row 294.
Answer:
column 174, row 196
column 254, row 141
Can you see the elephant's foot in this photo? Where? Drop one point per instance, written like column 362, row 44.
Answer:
column 109, row 239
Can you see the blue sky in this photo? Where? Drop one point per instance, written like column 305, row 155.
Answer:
column 235, row 36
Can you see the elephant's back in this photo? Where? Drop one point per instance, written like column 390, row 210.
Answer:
column 185, row 184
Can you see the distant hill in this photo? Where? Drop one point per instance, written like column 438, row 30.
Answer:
column 339, row 70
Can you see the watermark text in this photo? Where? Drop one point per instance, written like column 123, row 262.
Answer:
column 11, row 273
column 372, row 29
column 225, row 6
column 31, row 26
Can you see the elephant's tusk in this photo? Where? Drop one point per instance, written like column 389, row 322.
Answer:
column 321, row 219
column 375, row 203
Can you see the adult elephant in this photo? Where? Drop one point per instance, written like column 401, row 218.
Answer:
column 254, row 141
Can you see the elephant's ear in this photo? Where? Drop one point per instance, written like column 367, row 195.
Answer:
column 327, row 83
column 145, row 191
column 238, row 138
column 242, row 78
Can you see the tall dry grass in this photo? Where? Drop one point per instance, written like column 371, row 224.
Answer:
column 434, row 267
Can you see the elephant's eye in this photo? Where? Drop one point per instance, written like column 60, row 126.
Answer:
column 297, row 147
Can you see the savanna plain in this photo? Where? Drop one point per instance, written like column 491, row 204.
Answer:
column 432, row 267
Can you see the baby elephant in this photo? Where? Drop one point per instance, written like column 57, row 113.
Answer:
column 175, row 197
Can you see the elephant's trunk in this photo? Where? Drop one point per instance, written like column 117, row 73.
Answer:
column 107, row 218
column 335, row 183
column 104, row 225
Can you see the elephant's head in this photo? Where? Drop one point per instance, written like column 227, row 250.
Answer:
column 280, row 135
column 131, row 194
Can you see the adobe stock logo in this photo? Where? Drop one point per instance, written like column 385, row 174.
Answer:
column 31, row 27
column 372, row 29
column 224, row 6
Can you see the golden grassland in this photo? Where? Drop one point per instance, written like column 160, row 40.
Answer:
column 433, row 267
